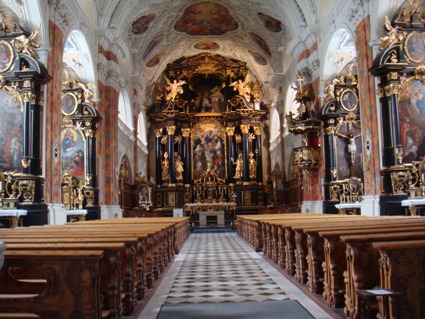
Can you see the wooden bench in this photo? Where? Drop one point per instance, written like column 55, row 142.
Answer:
column 109, row 267
column 72, row 273
column 363, row 262
column 401, row 270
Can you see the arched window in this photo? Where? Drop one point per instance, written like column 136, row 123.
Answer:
column 341, row 51
column 290, row 105
column 275, row 125
column 125, row 110
column 141, row 129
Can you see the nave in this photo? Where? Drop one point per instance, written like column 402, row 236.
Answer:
column 217, row 275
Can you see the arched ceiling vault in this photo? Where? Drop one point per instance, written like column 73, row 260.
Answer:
column 158, row 32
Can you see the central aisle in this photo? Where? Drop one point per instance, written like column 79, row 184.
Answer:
column 215, row 268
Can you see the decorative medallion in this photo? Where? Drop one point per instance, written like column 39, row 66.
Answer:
column 349, row 100
column 206, row 18
column 68, row 103
column 6, row 56
column 415, row 47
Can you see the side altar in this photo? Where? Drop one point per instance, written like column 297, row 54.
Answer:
column 208, row 136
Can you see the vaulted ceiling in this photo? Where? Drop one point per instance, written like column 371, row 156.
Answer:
column 157, row 32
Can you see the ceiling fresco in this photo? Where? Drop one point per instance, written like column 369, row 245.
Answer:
column 154, row 61
column 152, row 44
column 262, row 44
column 206, row 18
column 270, row 23
column 141, row 24
column 154, row 33
column 206, row 45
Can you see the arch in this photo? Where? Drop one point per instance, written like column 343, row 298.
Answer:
column 125, row 112
column 275, row 125
column 141, row 129
column 78, row 57
column 89, row 9
column 341, row 51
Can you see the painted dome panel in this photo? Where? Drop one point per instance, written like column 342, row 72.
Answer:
column 154, row 42
column 206, row 45
column 270, row 23
column 258, row 58
column 140, row 25
column 206, row 18
column 155, row 60
column 260, row 42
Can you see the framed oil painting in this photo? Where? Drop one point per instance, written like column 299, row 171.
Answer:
column 412, row 119
column 349, row 100
column 208, row 150
column 68, row 103
column 414, row 47
column 11, row 133
column 72, row 152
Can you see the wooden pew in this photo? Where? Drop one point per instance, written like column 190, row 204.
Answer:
column 335, row 264
column 402, row 270
column 71, row 288
column 363, row 262
column 109, row 267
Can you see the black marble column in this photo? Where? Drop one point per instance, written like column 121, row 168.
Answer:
column 245, row 152
column 257, row 132
column 186, row 155
column 158, row 171
column 91, row 157
column 231, row 153
column 172, row 171
column 27, row 156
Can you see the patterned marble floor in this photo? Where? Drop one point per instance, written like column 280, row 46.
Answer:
column 218, row 268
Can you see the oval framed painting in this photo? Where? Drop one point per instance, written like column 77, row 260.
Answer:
column 414, row 47
column 68, row 103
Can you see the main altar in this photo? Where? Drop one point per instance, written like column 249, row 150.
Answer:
column 207, row 124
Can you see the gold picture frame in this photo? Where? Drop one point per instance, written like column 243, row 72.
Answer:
column 68, row 103
column 349, row 100
column 414, row 46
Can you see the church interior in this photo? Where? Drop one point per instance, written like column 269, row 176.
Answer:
column 148, row 148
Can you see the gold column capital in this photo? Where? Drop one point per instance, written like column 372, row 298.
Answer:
column 171, row 129
column 257, row 130
column 158, row 132
column 245, row 128
column 186, row 132
column 230, row 131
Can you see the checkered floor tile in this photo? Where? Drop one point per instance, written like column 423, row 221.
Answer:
column 217, row 269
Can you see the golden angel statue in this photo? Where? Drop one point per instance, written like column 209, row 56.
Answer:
column 87, row 91
column 165, row 167
column 243, row 88
column 329, row 90
column 391, row 37
column 173, row 88
column 27, row 44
